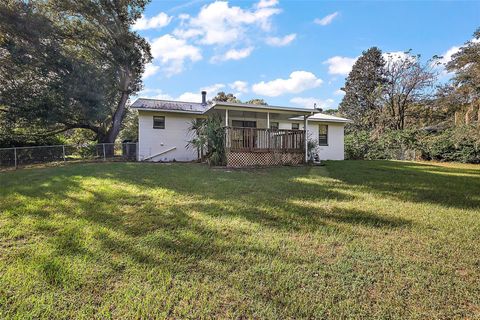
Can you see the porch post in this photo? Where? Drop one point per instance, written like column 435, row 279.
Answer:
column 305, row 122
column 226, row 117
column 268, row 120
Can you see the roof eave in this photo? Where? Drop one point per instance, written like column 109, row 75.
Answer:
column 265, row 108
column 170, row 111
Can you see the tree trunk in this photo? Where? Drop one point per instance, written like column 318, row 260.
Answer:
column 478, row 113
column 120, row 111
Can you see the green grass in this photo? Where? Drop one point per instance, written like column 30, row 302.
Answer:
column 352, row 239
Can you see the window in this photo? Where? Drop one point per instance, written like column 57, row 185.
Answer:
column 244, row 124
column 323, row 135
column 274, row 125
column 295, row 126
column 159, row 122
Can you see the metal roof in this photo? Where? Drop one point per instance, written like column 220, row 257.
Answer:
column 266, row 107
column 198, row 108
column 324, row 117
column 169, row 105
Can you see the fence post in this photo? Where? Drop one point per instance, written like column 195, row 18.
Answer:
column 104, row 155
column 63, row 148
column 15, row 156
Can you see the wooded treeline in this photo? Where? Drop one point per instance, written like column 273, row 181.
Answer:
column 67, row 65
column 400, row 104
column 67, row 69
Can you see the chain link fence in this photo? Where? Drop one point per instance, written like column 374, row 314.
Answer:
column 404, row 154
column 24, row 156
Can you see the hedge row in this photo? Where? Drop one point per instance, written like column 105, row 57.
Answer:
column 460, row 144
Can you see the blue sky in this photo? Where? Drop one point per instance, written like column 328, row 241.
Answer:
column 290, row 53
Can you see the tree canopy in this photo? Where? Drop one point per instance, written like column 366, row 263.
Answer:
column 68, row 64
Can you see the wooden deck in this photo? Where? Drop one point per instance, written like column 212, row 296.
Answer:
column 263, row 147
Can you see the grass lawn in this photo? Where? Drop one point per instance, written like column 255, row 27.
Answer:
column 352, row 239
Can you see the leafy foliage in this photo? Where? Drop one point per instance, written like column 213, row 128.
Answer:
column 51, row 51
column 209, row 134
column 461, row 143
column 257, row 101
column 408, row 112
column 363, row 89
column 225, row 97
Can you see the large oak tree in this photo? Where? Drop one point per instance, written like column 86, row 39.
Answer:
column 68, row 64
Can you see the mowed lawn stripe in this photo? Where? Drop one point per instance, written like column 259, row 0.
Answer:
column 352, row 239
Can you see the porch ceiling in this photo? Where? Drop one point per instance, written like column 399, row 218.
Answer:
column 262, row 109
column 237, row 114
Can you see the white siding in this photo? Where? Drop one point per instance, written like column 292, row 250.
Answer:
column 175, row 135
column 335, row 148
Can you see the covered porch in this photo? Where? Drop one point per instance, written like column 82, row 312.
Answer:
column 263, row 135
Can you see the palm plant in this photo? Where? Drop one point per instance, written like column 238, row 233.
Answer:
column 215, row 136
column 199, row 140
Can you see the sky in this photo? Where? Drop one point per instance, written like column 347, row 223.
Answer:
column 289, row 53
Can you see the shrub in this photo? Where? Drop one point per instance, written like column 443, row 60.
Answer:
column 460, row 144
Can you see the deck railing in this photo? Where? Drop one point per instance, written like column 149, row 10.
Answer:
column 264, row 140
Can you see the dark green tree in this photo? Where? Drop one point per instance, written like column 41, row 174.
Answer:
column 257, row 101
column 225, row 97
column 466, row 80
column 70, row 64
column 363, row 90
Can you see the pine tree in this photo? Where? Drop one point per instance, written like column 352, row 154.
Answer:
column 363, row 88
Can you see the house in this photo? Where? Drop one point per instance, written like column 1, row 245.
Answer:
column 255, row 134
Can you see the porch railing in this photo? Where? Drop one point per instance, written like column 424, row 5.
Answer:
column 264, row 140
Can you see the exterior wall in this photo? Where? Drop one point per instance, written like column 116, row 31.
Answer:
column 175, row 135
column 335, row 148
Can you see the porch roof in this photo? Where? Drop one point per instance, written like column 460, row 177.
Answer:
column 262, row 108
column 324, row 117
column 199, row 108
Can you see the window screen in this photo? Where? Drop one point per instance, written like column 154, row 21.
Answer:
column 295, row 126
column 244, row 124
column 323, row 135
column 273, row 125
column 159, row 122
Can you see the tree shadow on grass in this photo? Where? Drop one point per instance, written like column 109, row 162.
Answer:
column 170, row 218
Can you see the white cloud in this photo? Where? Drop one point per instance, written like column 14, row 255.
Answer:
column 172, row 53
column 239, row 86
column 267, row 3
column 150, row 70
column 310, row 102
column 281, row 41
column 212, row 91
column 339, row 92
column 218, row 23
column 340, row 65
column 154, row 94
column 396, row 56
column 190, row 97
column 297, row 82
column 326, row 20
column 159, row 21
column 233, row 54
column 447, row 55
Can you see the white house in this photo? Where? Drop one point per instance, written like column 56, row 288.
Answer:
column 255, row 134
